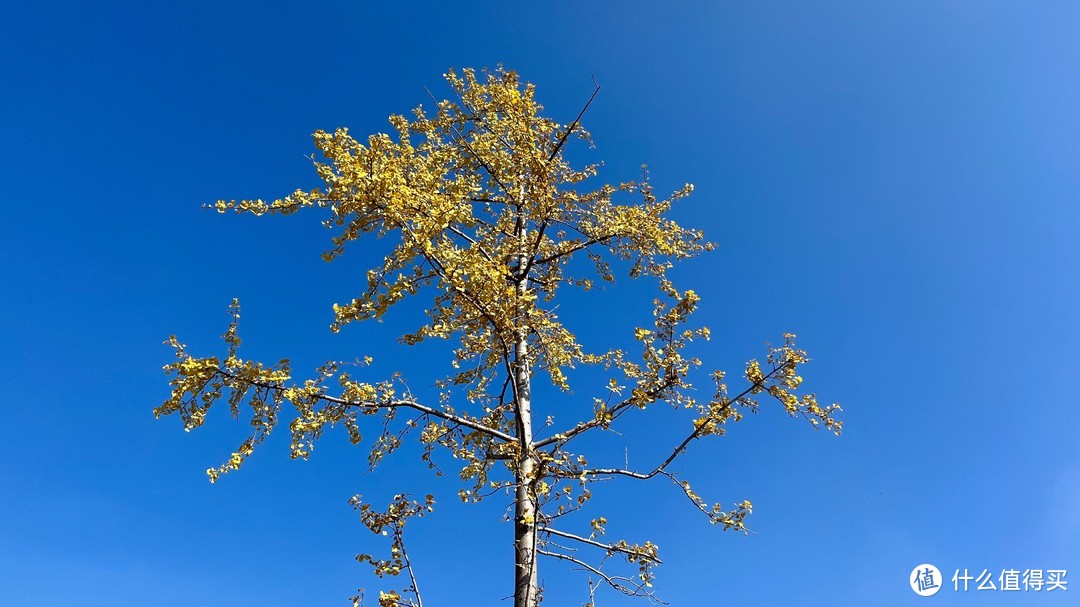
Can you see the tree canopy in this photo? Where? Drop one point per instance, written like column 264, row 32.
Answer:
column 486, row 217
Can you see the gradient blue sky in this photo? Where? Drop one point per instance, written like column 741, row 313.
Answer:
column 897, row 182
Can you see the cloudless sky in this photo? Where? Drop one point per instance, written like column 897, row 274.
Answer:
column 896, row 182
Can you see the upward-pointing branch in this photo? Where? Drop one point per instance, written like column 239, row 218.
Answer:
column 589, row 425
column 574, row 124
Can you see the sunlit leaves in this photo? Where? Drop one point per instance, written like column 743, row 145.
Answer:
column 478, row 211
column 474, row 195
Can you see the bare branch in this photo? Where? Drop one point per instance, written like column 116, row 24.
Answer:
column 574, row 249
column 608, row 547
column 563, row 437
column 573, row 125
column 412, row 576
column 623, row 584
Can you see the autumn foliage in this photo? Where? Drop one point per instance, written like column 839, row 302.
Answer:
column 489, row 221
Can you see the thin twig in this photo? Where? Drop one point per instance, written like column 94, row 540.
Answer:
column 592, row 542
column 574, row 124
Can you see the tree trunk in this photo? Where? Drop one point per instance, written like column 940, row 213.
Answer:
column 525, row 510
column 526, row 586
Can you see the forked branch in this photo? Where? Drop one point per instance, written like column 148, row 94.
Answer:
column 625, row 585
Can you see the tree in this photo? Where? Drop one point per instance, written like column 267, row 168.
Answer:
column 488, row 217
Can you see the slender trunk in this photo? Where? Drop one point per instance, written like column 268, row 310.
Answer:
column 525, row 510
column 526, row 586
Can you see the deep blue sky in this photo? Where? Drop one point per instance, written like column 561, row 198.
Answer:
column 897, row 182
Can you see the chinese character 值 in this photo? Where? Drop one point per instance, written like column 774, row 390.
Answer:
column 925, row 579
column 1010, row 579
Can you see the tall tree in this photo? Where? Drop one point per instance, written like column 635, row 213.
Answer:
column 487, row 216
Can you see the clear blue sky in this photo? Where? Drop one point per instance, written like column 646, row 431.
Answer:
column 897, row 182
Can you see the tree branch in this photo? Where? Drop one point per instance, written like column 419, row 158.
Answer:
column 608, row 547
column 574, row 249
column 462, row 140
column 593, row 423
column 582, row 427
column 574, row 124
column 617, row 582
column 412, row 576
column 395, row 404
